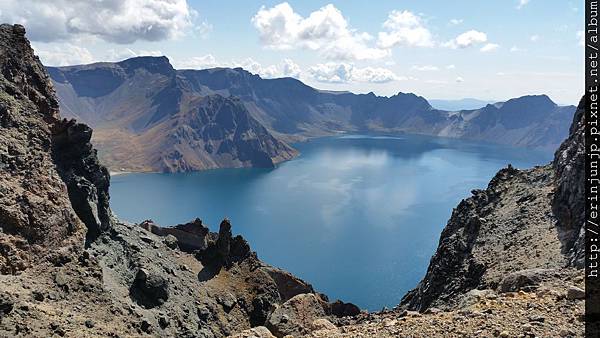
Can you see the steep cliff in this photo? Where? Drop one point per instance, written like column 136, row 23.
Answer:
column 148, row 118
column 69, row 268
column 51, row 184
column 524, row 220
column 509, row 261
column 144, row 99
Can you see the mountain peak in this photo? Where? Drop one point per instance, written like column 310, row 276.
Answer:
column 541, row 100
column 154, row 64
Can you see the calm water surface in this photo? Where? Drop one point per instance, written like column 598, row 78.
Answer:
column 357, row 216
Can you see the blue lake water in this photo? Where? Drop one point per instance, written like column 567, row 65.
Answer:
column 357, row 216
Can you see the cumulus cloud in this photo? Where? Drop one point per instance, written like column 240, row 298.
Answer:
column 426, row 68
column 286, row 68
column 581, row 38
column 450, row 67
column 325, row 30
column 119, row 21
column 64, row 55
column 489, row 47
column 515, row 49
column 68, row 54
column 332, row 72
column 460, row 79
column 456, row 21
column 522, row 3
column 404, row 29
column 467, row 39
column 198, row 62
column 534, row 38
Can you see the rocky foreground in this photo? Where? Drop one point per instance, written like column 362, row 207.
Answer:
column 508, row 262
column 69, row 268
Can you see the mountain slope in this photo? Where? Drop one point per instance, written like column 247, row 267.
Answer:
column 68, row 267
column 147, row 119
column 124, row 101
column 524, row 220
column 290, row 107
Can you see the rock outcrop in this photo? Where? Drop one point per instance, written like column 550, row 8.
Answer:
column 525, row 219
column 42, row 212
column 68, row 267
column 567, row 204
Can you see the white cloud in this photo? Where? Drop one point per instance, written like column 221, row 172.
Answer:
column 426, row 68
column 344, row 72
column 286, row 68
column 500, row 74
column 515, row 49
column 534, row 38
column 404, row 29
column 581, row 38
column 64, row 54
column 489, row 47
column 450, row 67
column 456, row 21
column 203, row 29
column 325, row 30
column 120, row 21
column 460, row 79
column 467, row 39
column 522, row 3
column 198, row 62
column 290, row 68
column 68, row 54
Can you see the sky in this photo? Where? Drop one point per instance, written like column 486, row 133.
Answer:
column 491, row 50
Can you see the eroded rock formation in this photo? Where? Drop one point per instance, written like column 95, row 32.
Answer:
column 69, row 268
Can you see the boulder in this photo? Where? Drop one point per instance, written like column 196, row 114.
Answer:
column 255, row 332
column 171, row 242
column 341, row 309
column 288, row 285
column 149, row 289
column 574, row 292
column 524, row 279
column 296, row 316
column 7, row 304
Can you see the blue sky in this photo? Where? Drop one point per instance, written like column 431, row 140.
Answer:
column 493, row 49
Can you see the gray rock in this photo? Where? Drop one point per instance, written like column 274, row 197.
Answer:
column 524, row 279
column 171, row 242
column 574, row 292
column 227, row 300
column 149, row 289
column 7, row 304
column 295, row 317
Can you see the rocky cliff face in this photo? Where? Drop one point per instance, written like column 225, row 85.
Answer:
column 69, row 268
column 567, row 204
column 46, row 164
column 290, row 107
column 526, row 226
column 148, row 118
column 152, row 100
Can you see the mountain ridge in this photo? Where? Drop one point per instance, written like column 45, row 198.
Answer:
column 148, row 90
column 66, row 271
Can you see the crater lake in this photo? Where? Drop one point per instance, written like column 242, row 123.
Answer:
column 358, row 216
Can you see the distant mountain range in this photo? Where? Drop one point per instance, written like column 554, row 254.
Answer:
column 456, row 105
column 147, row 116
